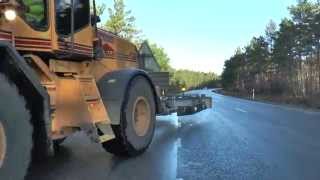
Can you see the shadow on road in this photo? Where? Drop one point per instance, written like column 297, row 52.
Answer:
column 79, row 159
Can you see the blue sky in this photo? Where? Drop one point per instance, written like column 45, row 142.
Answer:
column 200, row 35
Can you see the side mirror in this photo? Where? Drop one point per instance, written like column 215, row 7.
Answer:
column 95, row 19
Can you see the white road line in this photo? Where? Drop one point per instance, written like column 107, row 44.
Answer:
column 178, row 143
column 241, row 110
column 176, row 149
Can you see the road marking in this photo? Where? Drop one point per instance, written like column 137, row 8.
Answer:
column 176, row 149
column 178, row 143
column 241, row 110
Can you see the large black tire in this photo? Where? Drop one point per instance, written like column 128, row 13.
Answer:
column 15, row 121
column 129, row 142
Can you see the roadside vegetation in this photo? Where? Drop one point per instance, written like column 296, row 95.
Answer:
column 122, row 23
column 284, row 63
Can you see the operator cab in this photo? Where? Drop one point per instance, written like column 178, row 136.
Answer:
column 78, row 33
column 61, row 28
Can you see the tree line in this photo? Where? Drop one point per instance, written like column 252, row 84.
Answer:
column 193, row 79
column 122, row 23
column 285, row 61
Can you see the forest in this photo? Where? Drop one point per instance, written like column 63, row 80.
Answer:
column 283, row 63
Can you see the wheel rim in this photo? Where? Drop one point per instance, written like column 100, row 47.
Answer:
column 3, row 144
column 141, row 116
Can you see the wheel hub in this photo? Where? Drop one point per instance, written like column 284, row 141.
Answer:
column 3, row 144
column 141, row 116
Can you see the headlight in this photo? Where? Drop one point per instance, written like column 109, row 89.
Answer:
column 10, row 14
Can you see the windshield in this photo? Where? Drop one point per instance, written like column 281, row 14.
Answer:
column 35, row 13
column 63, row 15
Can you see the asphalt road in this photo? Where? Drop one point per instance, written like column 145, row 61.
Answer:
column 237, row 139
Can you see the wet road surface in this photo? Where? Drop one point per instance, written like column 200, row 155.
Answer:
column 237, row 139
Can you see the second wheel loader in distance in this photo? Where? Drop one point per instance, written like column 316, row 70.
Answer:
column 60, row 74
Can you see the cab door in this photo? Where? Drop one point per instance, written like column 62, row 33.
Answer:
column 74, row 38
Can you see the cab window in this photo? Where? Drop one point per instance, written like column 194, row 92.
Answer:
column 63, row 15
column 35, row 13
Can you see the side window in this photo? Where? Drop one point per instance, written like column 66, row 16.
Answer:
column 35, row 14
column 150, row 64
column 147, row 60
column 81, row 13
column 63, row 15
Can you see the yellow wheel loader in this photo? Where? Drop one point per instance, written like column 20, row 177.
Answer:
column 60, row 74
